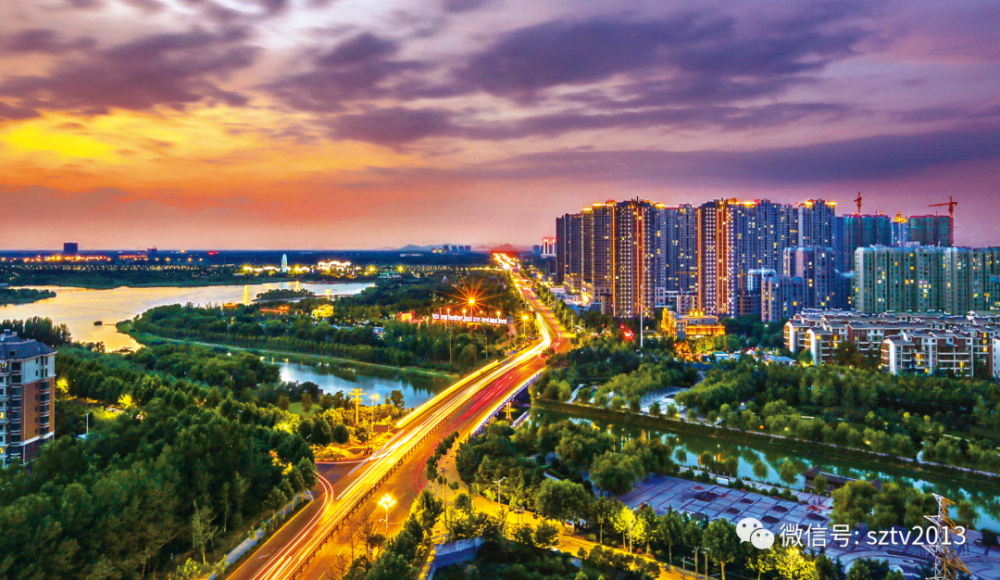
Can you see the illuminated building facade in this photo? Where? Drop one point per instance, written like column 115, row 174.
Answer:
column 680, row 249
column 902, row 343
column 815, row 223
column 548, row 247
column 926, row 279
column 736, row 238
column 900, row 230
column 27, row 417
column 569, row 250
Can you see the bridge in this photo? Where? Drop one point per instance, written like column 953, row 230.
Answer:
column 320, row 535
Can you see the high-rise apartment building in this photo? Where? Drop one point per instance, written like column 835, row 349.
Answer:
column 861, row 231
column 815, row 223
column 735, row 238
column 809, row 280
column 569, row 249
column 27, row 371
column 680, row 249
column 926, row 279
column 900, row 230
column 613, row 254
column 931, row 230
column 636, row 257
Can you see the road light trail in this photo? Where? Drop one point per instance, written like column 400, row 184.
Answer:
column 477, row 396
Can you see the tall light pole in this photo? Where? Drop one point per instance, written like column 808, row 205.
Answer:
column 87, row 418
column 357, row 394
column 386, row 502
column 498, row 482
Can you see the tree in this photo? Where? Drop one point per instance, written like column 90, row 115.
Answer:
column 722, row 543
column 326, row 402
column 562, row 500
column 391, row 566
column 853, row 503
column 624, row 521
column 307, row 402
column 202, row 531
column 693, row 536
column 967, row 514
column 671, row 531
column 790, row 563
column 788, row 472
column 604, row 510
column 761, row 561
column 396, row 399
column 341, row 434
column 284, row 402
column 819, row 484
column 655, row 410
column 546, row 535
column 616, row 473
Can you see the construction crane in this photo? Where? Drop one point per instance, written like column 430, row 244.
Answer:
column 951, row 203
column 858, row 201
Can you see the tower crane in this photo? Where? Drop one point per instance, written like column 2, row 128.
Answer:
column 951, row 203
column 858, row 201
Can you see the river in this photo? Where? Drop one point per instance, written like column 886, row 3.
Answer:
column 79, row 308
column 416, row 390
column 983, row 497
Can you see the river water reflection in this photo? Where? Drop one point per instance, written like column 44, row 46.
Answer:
column 79, row 308
column 415, row 391
column 983, row 497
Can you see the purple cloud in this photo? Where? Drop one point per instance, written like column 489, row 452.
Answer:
column 42, row 40
column 172, row 70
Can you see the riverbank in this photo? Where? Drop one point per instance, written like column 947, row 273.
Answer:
column 125, row 327
column 11, row 296
column 810, row 449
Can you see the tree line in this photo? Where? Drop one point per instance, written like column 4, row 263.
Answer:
column 856, row 407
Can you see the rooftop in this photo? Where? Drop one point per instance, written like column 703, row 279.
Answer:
column 14, row 347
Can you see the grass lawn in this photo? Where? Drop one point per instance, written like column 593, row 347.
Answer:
column 296, row 409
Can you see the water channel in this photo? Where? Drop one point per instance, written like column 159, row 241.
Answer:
column 983, row 497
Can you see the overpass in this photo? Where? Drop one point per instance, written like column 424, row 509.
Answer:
column 311, row 544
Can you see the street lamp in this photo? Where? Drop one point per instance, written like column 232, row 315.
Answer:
column 386, row 502
column 87, row 418
column 498, row 482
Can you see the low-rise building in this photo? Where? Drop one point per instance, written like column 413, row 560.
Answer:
column 902, row 342
column 27, row 418
column 693, row 325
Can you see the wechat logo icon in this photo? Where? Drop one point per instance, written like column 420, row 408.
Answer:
column 751, row 530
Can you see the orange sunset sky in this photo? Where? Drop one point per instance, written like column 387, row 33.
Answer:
column 360, row 124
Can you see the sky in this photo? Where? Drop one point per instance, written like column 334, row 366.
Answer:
column 367, row 124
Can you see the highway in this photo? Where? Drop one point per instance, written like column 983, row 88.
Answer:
column 311, row 544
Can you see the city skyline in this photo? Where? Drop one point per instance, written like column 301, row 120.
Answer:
column 265, row 124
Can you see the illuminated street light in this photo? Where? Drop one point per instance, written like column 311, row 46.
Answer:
column 386, row 502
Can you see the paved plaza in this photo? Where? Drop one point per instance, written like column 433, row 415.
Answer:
column 710, row 501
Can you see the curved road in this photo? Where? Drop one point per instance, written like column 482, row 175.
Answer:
column 310, row 545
